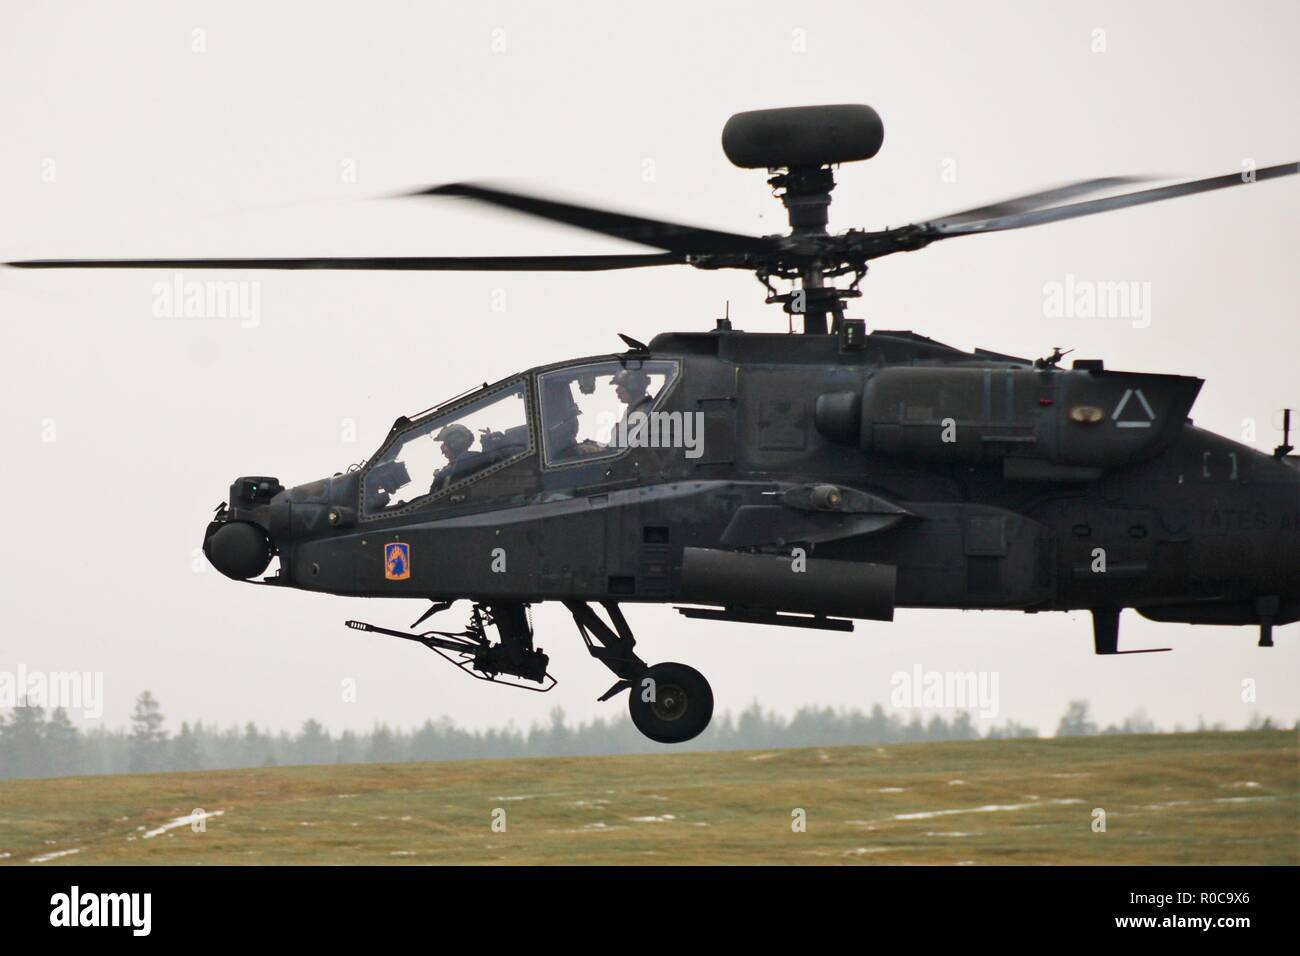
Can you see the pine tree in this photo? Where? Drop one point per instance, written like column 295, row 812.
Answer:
column 185, row 750
column 148, row 739
column 62, row 744
column 1138, row 723
column 313, row 744
column 349, row 749
column 255, row 748
column 962, row 727
column 384, row 747
column 1075, row 722
column 24, row 744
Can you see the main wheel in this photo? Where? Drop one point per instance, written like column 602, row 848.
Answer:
column 671, row 703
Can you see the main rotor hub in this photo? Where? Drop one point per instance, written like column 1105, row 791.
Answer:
column 807, row 197
column 805, row 191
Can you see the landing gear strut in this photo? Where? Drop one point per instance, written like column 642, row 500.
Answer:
column 670, row 703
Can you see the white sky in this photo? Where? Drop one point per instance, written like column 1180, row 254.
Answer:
column 239, row 150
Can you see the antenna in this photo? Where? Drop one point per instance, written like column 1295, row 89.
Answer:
column 724, row 323
column 1284, row 449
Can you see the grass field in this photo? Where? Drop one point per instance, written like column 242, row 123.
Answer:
column 1181, row 799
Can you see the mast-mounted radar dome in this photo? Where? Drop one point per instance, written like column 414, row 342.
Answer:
column 803, row 136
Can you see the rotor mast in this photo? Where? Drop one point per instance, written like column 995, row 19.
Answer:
column 807, row 197
column 798, row 146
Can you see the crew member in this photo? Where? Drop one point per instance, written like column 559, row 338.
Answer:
column 456, row 440
column 561, row 414
column 632, row 387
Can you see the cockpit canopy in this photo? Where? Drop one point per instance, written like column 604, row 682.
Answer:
column 585, row 411
column 586, row 408
column 444, row 451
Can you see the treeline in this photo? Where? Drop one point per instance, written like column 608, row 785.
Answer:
column 34, row 745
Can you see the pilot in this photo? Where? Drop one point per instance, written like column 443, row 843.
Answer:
column 632, row 387
column 456, row 440
column 562, row 427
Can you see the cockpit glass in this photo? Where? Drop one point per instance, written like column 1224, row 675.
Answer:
column 599, row 409
column 449, row 450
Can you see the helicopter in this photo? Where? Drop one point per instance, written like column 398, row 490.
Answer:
column 803, row 479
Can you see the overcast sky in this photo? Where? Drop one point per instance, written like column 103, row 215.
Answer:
column 272, row 130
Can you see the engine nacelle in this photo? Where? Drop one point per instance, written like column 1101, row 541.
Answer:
column 1045, row 424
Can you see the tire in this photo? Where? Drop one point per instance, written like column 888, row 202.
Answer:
column 682, row 705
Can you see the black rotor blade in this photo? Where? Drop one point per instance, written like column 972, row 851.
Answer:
column 380, row 263
column 1045, row 197
column 675, row 237
column 1075, row 210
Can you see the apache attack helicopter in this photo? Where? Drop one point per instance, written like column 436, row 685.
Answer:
column 783, row 479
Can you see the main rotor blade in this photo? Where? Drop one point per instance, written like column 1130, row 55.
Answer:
column 1075, row 210
column 675, row 237
column 380, row 263
column 1045, row 197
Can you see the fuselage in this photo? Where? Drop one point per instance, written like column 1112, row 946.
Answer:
column 961, row 480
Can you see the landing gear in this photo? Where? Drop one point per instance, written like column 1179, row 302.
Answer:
column 670, row 703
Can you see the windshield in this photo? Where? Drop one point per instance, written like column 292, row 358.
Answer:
column 449, row 450
column 599, row 409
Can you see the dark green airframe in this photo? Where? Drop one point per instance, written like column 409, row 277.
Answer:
column 800, row 480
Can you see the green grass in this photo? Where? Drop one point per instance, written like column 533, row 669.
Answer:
column 1213, row 798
